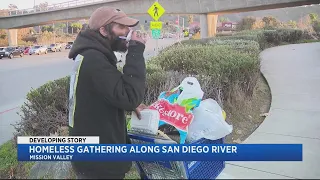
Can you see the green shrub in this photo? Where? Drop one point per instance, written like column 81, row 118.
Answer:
column 270, row 22
column 277, row 37
column 8, row 156
column 225, row 64
column 238, row 37
column 244, row 43
column 316, row 26
column 46, row 109
column 194, row 41
column 249, row 32
column 290, row 35
column 247, row 46
column 221, row 34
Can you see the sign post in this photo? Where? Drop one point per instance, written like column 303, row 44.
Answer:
column 156, row 11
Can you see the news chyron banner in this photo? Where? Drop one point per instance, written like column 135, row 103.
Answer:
column 88, row 149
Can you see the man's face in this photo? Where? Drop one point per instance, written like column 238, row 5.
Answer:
column 117, row 44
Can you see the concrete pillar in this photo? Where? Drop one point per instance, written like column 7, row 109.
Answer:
column 203, row 26
column 13, row 37
column 212, row 24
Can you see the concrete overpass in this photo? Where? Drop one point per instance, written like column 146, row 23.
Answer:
column 208, row 9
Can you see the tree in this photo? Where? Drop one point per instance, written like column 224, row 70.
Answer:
column 13, row 7
column 270, row 22
column 247, row 23
column 76, row 27
column 292, row 24
column 23, row 32
column 223, row 19
column 190, row 19
column 313, row 17
column 47, row 28
column 3, row 34
column 59, row 27
column 41, row 6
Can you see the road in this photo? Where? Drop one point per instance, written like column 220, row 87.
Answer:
column 19, row 75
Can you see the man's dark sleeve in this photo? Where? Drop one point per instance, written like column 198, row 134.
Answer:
column 125, row 91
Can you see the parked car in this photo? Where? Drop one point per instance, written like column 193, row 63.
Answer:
column 63, row 45
column 69, row 45
column 10, row 52
column 26, row 50
column 55, row 47
column 38, row 50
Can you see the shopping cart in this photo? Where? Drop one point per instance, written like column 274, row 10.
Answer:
column 176, row 169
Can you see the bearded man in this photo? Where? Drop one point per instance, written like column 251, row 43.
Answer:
column 99, row 93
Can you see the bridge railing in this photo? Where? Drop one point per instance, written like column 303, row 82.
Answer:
column 51, row 7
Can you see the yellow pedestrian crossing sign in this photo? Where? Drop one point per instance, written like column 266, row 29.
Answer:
column 156, row 11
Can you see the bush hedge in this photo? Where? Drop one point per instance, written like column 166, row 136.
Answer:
column 226, row 63
column 45, row 111
column 264, row 38
column 277, row 37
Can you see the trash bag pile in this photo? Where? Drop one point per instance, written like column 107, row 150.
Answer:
column 183, row 115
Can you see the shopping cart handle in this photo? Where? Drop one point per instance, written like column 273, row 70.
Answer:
column 162, row 141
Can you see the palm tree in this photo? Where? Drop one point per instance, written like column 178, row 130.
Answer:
column 60, row 27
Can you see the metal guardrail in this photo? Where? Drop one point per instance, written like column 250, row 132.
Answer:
column 52, row 7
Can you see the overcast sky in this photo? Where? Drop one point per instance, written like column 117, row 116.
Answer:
column 25, row 4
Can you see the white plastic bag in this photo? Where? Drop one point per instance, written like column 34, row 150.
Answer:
column 191, row 89
column 208, row 122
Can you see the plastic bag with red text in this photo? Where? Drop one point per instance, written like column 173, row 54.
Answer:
column 175, row 107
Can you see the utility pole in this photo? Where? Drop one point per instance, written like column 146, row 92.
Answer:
column 183, row 26
column 54, row 34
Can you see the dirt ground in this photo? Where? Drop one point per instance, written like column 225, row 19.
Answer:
column 246, row 114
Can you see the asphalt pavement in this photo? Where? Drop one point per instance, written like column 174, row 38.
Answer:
column 19, row 75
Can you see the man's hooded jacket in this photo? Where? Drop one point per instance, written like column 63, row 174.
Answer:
column 100, row 94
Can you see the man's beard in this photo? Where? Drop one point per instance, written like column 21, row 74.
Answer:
column 119, row 45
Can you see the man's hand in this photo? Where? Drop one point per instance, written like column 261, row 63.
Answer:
column 140, row 108
column 138, row 36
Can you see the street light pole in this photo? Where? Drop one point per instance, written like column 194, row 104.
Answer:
column 157, row 41
column 179, row 28
column 182, row 23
